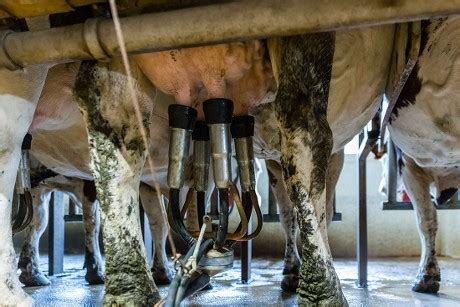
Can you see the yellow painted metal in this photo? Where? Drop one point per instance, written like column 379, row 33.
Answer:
column 31, row 8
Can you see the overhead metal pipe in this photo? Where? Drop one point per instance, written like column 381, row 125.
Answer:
column 230, row 21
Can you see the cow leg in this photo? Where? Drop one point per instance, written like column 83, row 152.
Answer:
column 29, row 259
column 306, row 143
column 333, row 173
column 288, row 221
column 159, row 228
column 118, row 155
column 91, row 221
column 417, row 184
column 19, row 93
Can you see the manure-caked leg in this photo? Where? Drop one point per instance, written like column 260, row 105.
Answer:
column 417, row 184
column 91, row 222
column 118, row 155
column 19, row 93
column 29, row 259
column 159, row 228
column 289, row 223
column 306, row 144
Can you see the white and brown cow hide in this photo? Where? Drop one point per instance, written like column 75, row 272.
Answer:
column 425, row 126
column 19, row 93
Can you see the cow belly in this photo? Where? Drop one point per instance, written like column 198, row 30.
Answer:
column 421, row 136
column 64, row 151
column 60, row 140
column 359, row 73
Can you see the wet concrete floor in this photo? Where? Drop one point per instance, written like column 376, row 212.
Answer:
column 390, row 281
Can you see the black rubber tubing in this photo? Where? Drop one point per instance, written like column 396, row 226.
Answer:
column 175, row 218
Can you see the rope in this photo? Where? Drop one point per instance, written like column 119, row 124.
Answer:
column 124, row 55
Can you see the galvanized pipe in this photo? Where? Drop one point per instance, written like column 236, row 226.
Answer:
column 230, row 21
column 361, row 235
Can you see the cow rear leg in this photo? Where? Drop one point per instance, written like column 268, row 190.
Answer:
column 29, row 259
column 118, row 155
column 306, row 144
column 288, row 220
column 417, row 184
column 91, row 221
column 159, row 228
column 19, row 93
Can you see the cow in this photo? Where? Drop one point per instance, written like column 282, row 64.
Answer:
column 298, row 71
column 59, row 143
column 425, row 126
column 81, row 193
column 304, row 67
column 19, row 93
column 58, row 125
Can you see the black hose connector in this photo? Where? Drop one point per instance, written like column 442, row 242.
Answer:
column 182, row 117
column 218, row 111
column 242, row 126
column 183, row 285
column 201, row 131
column 186, row 285
column 175, row 217
column 175, row 284
column 27, row 142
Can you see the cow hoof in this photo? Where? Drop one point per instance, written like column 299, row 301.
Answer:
column 290, row 283
column 34, row 280
column 94, row 278
column 130, row 300
column 337, row 300
column 162, row 277
column 428, row 284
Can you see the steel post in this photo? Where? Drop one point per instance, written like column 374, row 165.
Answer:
column 362, row 250
column 246, row 257
column 56, row 235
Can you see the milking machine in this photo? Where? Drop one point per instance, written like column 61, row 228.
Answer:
column 22, row 212
column 211, row 249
